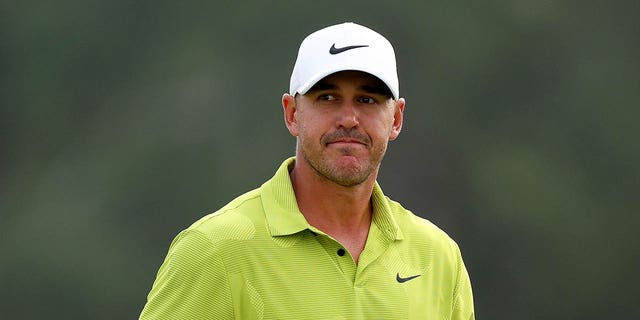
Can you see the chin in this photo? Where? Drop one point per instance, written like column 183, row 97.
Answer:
column 349, row 174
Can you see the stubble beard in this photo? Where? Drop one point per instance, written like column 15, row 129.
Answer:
column 344, row 175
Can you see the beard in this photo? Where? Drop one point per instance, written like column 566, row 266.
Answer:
column 347, row 173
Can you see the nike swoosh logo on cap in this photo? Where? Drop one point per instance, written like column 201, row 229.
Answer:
column 334, row 50
column 401, row 280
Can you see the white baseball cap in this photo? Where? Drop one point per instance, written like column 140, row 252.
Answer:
column 341, row 47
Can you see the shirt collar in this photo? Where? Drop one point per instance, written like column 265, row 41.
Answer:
column 280, row 205
column 284, row 217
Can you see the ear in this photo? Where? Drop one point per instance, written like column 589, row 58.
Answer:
column 289, row 108
column 397, row 119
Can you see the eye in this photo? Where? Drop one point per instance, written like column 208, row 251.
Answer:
column 326, row 97
column 367, row 100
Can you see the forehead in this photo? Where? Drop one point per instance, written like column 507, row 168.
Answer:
column 358, row 79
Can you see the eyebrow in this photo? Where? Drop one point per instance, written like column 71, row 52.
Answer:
column 321, row 86
column 378, row 89
column 373, row 89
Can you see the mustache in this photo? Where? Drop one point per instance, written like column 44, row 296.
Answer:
column 343, row 133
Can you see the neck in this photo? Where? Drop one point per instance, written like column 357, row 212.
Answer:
column 334, row 203
column 342, row 212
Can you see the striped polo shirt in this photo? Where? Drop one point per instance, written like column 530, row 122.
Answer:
column 258, row 258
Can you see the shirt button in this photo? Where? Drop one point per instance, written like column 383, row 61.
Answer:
column 341, row 252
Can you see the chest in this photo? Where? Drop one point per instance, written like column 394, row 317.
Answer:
column 313, row 277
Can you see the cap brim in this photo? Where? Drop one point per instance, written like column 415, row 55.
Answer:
column 321, row 75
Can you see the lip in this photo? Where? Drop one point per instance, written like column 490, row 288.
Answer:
column 346, row 141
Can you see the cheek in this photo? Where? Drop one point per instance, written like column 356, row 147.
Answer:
column 312, row 123
column 308, row 131
column 385, row 126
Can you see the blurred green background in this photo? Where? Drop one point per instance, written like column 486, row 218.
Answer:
column 122, row 122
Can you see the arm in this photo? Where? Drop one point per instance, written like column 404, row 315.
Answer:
column 192, row 282
column 463, row 295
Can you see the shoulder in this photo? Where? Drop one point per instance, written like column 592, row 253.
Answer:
column 414, row 225
column 420, row 234
column 236, row 220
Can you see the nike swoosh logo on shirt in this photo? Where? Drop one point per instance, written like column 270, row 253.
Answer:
column 402, row 280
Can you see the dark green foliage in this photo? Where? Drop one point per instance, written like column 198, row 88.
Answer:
column 123, row 122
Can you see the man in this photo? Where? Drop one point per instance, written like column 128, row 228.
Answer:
column 320, row 240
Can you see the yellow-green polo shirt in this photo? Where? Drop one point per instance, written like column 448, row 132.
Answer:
column 258, row 258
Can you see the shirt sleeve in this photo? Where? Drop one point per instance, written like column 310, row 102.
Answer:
column 191, row 284
column 463, row 296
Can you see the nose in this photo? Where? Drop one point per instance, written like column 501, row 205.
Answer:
column 348, row 117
